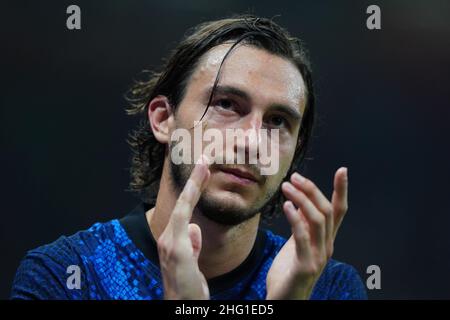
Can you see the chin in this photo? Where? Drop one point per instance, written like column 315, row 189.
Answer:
column 228, row 198
column 227, row 207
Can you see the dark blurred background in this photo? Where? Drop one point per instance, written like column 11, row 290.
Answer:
column 383, row 102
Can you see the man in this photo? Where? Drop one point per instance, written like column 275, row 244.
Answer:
column 196, row 234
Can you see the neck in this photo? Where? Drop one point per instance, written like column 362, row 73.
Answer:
column 223, row 247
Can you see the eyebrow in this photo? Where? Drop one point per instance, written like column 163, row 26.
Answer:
column 288, row 111
column 221, row 89
column 229, row 90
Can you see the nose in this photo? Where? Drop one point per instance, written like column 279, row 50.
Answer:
column 252, row 125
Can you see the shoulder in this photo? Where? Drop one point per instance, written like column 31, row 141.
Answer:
column 338, row 281
column 71, row 248
column 43, row 272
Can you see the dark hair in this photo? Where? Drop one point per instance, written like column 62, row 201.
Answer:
column 148, row 154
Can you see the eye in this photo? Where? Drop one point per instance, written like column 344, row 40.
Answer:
column 226, row 104
column 277, row 121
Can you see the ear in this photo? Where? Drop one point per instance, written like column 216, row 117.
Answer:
column 160, row 117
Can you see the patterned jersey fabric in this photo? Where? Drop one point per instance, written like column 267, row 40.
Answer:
column 119, row 260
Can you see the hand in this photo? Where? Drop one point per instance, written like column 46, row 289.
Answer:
column 180, row 244
column 314, row 223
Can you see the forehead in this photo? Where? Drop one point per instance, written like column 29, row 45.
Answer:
column 266, row 77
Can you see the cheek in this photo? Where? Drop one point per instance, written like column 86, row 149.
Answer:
column 286, row 154
column 219, row 121
column 189, row 111
column 287, row 151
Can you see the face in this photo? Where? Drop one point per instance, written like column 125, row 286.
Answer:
column 256, row 90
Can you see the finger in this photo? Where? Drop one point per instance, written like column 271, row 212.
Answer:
column 339, row 200
column 292, row 216
column 182, row 213
column 299, row 229
column 195, row 234
column 315, row 219
column 205, row 287
column 318, row 199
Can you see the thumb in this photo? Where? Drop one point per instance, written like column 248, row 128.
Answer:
column 195, row 234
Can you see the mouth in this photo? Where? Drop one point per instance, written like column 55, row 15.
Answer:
column 240, row 176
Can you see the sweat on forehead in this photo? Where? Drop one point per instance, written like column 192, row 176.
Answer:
column 252, row 69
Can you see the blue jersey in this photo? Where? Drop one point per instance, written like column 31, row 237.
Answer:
column 119, row 260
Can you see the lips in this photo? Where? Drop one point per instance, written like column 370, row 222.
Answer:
column 240, row 174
